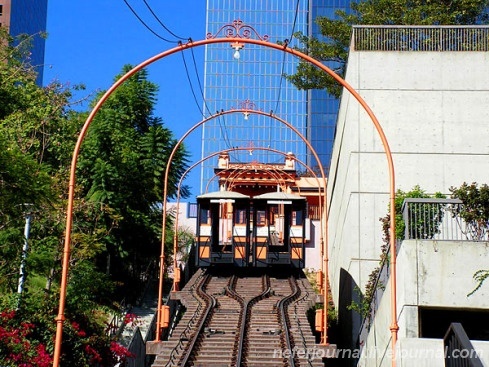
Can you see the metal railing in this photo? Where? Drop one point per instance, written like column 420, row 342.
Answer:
column 137, row 348
column 420, row 38
column 459, row 351
column 440, row 220
column 116, row 325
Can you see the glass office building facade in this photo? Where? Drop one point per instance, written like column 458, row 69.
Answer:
column 255, row 81
column 27, row 17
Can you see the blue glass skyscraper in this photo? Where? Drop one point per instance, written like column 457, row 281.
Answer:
column 256, row 81
column 27, row 17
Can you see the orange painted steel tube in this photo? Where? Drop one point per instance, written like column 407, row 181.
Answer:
column 69, row 215
column 165, row 192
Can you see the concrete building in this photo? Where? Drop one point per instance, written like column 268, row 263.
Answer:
column 27, row 17
column 429, row 88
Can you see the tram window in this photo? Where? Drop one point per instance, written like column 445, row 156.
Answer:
column 260, row 218
column 240, row 216
column 204, row 216
column 273, row 214
column 297, row 218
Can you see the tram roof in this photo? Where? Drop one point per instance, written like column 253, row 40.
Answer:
column 278, row 196
column 223, row 195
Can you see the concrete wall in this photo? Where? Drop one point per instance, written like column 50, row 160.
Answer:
column 433, row 108
column 430, row 273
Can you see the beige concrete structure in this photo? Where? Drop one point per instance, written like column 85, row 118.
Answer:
column 433, row 107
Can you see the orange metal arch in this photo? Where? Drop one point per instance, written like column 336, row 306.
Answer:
column 181, row 47
column 324, row 251
column 175, row 239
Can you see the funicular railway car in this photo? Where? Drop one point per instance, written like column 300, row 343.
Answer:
column 223, row 229
column 264, row 231
column 278, row 231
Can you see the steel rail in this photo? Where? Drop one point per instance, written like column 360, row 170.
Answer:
column 210, row 305
column 284, row 319
column 184, row 334
column 246, row 313
column 304, row 298
column 231, row 292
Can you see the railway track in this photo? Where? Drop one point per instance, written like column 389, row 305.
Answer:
column 241, row 320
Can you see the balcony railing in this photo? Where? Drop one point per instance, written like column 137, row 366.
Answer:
column 440, row 220
column 425, row 219
column 420, row 38
column 459, row 351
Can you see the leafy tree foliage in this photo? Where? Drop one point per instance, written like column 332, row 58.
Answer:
column 121, row 170
column 332, row 47
column 475, row 209
column 475, row 213
column 415, row 192
column 117, row 215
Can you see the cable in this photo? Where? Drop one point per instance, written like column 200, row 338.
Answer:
column 161, row 23
column 190, row 82
column 223, row 130
column 222, row 126
column 147, row 27
column 287, row 41
column 198, row 80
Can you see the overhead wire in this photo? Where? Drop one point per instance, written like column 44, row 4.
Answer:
column 219, row 117
column 223, row 126
column 161, row 23
column 147, row 26
column 190, row 82
column 178, row 42
column 287, row 42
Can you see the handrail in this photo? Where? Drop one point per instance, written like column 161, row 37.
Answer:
column 456, row 339
column 440, row 220
column 417, row 38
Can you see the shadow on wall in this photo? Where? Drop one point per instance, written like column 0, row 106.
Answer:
column 349, row 322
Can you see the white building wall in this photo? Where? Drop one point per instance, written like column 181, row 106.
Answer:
column 433, row 108
column 436, row 120
column 430, row 273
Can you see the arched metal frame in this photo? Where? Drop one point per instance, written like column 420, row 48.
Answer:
column 175, row 224
column 323, row 244
column 237, row 40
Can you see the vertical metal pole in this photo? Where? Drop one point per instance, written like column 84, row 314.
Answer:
column 25, row 248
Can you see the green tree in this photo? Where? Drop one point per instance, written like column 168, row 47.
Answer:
column 35, row 136
column 121, row 170
column 332, row 48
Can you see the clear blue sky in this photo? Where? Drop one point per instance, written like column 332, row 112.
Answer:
column 90, row 41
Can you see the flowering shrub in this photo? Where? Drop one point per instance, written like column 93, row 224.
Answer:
column 131, row 319
column 84, row 345
column 16, row 349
